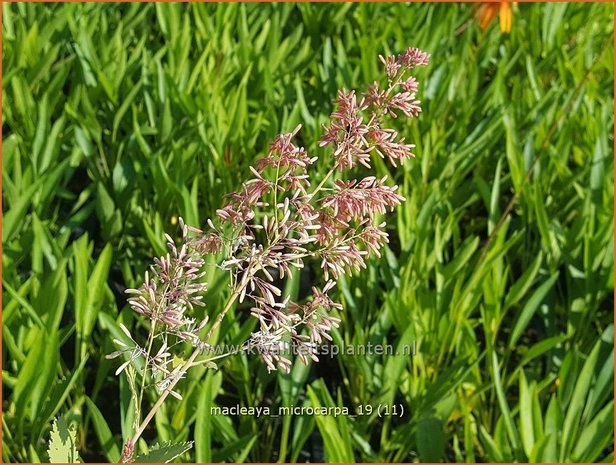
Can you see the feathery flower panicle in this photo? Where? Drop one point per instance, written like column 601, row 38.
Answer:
column 134, row 350
column 335, row 226
column 282, row 143
column 278, row 220
column 175, row 282
column 342, row 257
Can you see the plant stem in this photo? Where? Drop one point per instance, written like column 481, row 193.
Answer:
column 145, row 366
column 218, row 357
column 191, row 361
column 276, row 196
column 323, row 181
column 165, row 393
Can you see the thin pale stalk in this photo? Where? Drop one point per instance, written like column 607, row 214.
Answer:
column 189, row 363
column 145, row 367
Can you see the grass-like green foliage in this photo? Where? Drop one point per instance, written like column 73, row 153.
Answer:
column 119, row 118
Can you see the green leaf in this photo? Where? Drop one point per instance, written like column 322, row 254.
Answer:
column 461, row 258
column 14, row 218
column 338, row 447
column 530, row 308
column 541, row 348
column 512, row 433
column 203, row 423
column 241, row 447
column 37, row 375
column 57, row 396
column 576, row 405
column 431, row 440
column 124, row 108
column 595, row 437
column 521, row 286
column 103, row 433
column 526, row 416
column 96, row 286
column 164, row 453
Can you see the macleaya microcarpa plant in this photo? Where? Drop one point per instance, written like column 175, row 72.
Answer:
column 269, row 228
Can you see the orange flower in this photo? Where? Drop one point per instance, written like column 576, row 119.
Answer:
column 488, row 10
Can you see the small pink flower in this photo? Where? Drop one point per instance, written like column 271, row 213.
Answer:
column 413, row 57
column 375, row 96
column 359, row 200
column 386, row 146
column 392, row 66
column 347, row 132
column 410, row 84
column 406, row 102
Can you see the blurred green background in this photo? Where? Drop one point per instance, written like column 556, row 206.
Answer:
column 118, row 118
